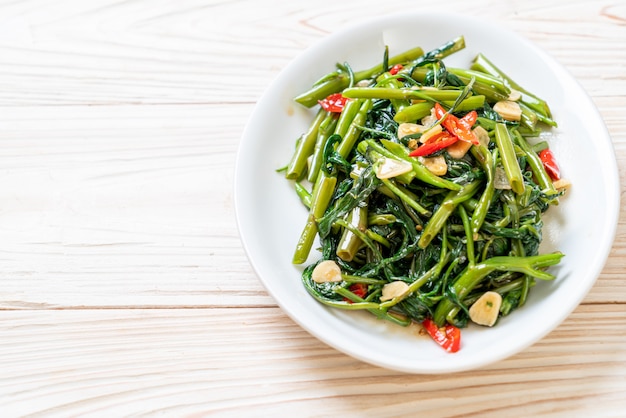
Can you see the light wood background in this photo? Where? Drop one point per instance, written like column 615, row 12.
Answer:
column 124, row 288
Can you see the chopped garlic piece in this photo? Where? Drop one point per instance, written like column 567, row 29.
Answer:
column 562, row 184
column 394, row 290
column 482, row 135
column 500, row 180
column 435, row 130
column 430, row 119
column 388, row 167
column 508, row 110
column 326, row 271
column 514, row 95
column 436, row 165
column 459, row 149
column 486, row 309
column 405, row 129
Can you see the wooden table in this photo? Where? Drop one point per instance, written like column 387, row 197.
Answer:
column 124, row 288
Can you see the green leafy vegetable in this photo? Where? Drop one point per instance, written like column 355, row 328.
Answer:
column 424, row 244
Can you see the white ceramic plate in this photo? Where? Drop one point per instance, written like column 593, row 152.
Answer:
column 270, row 216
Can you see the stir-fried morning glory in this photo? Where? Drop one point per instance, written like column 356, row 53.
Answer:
column 425, row 187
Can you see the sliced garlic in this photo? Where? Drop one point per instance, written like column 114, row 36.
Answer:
column 500, row 180
column 459, row 149
column 508, row 110
column 405, row 129
column 430, row 119
column 562, row 184
column 326, row 271
column 394, row 290
column 486, row 309
column 482, row 135
column 429, row 133
column 514, row 95
column 436, row 165
column 388, row 167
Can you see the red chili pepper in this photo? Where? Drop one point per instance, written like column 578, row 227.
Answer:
column 461, row 128
column 359, row 289
column 395, row 69
column 334, row 103
column 434, row 144
column 448, row 337
column 549, row 163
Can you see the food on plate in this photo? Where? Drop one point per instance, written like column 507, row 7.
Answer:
column 426, row 187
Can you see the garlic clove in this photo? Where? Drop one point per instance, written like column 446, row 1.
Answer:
column 486, row 309
column 393, row 290
column 326, row 271
column 388, row 168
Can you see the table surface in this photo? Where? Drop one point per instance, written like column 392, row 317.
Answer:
column 124, row 287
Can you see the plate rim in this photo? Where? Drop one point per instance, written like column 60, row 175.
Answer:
column 606, row 149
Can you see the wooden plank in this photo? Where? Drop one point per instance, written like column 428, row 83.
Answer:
column 234, row 362
column 107, row 52
column 121, row 206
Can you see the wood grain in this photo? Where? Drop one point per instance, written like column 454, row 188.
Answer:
column 134, row 362
column 137, row 211
column 124, row 288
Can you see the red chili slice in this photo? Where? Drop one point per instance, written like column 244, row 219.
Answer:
column 448, row 337
column 549, row 163
column 461, row 128
column 334, row 103
column 395, row 69
column 359, row 289
column 434, row 144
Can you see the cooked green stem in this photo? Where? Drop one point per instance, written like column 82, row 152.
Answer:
column 472, row 276
column 442, row 51
column 397, row 190
column 322, row 193
column 491, row 93
column 325, row 185
column 447, row 207
column 485, row 79
column 347, row 115
column 361, row 235
column 417, row 111
column 469, row 239
column 353, row 132
column 305, row 147
column 538, row 116
column 339, row 80
column 303, row 194
column 536, row 165
column 487, row 161
column 509, row 158
column 326, row 129
column 387, row 79
column 350, row 243
column 481, row 63
column 413, row 112
column 400, row 94
column 340, row 127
